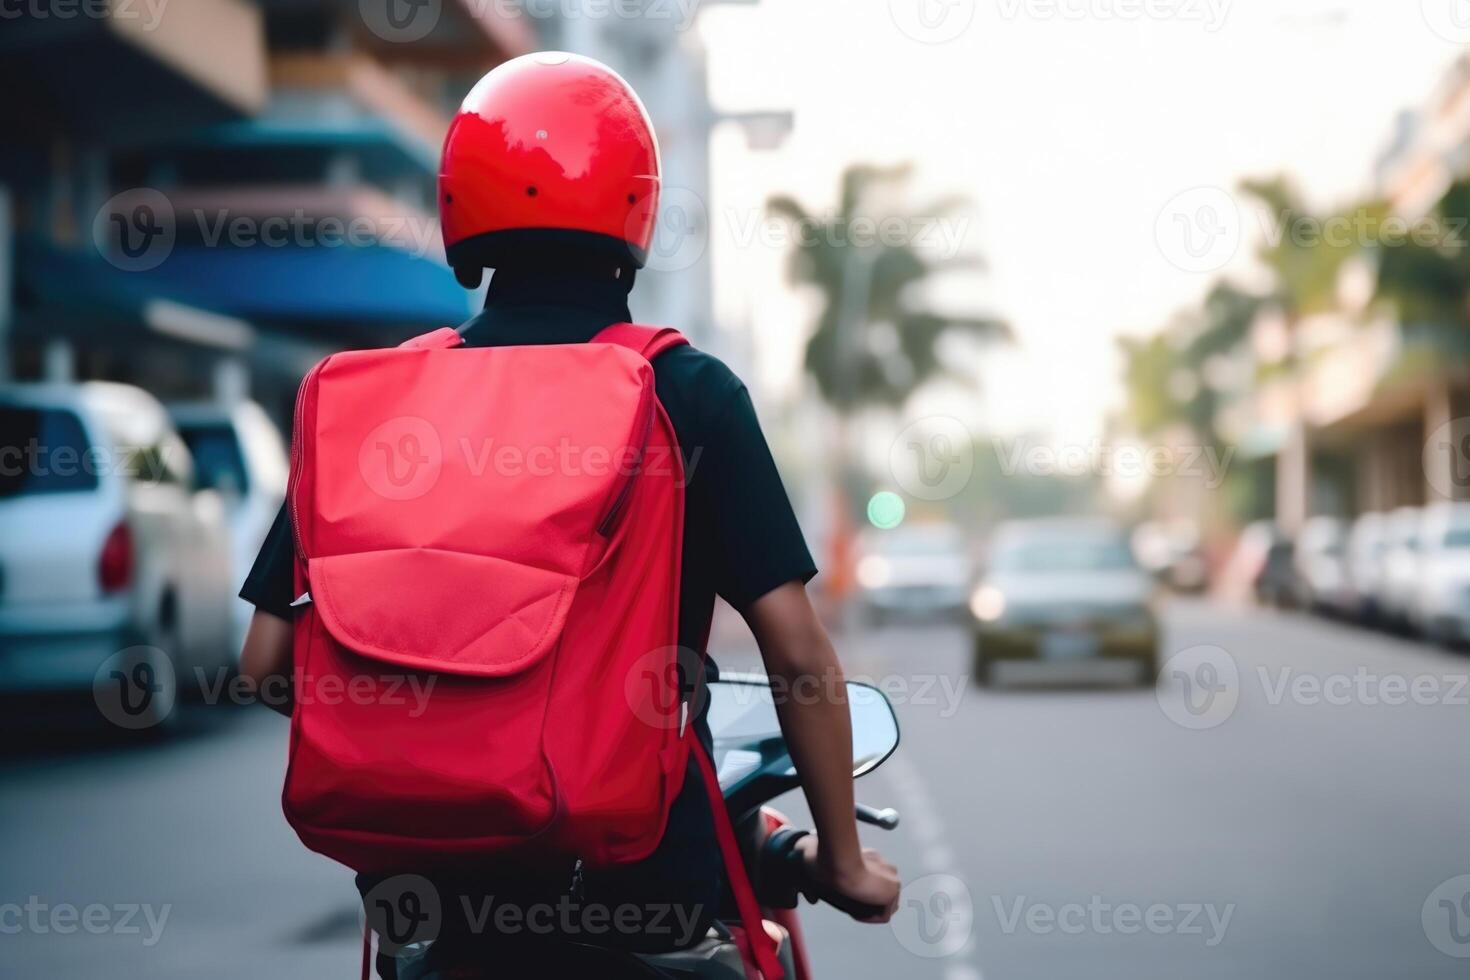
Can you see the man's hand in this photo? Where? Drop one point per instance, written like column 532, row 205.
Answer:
column 858, row 890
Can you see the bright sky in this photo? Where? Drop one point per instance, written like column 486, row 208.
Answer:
column 1072, row 126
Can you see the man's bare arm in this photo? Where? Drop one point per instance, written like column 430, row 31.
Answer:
column 266, row 658
column 812, row 704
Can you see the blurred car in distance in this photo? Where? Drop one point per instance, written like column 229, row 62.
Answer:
column 1063, row 600
column 1321, row 567
column 238, row 452
column 1400, row 577
column 919, row 570
column 1441, row 603
column 1264, row 558
column 1173, row 553
column 104, row 543
column 1367, row 545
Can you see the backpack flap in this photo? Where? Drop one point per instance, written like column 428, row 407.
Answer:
column 415, row 608
column 449, row 503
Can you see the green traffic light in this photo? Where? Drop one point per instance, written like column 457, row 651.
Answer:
column 885, row 509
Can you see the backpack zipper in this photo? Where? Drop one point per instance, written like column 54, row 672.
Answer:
column 296, row 455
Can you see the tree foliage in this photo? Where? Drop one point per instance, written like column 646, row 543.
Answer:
column 869, row 285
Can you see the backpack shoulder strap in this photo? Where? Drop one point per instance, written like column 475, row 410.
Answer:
column 648, row 341
column 441, row 339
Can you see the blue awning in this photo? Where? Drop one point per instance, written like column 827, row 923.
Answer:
column 76, row 291
column 371, row 293
column 335, row 288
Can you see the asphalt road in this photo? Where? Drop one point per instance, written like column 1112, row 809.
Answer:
column 1300, row 811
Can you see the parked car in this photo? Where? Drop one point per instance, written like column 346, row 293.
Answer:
column 1400, row 566
column 1266, row 558
column 1321, row 566
column 914, row 571
column 1063, row 599
column 1441, row 604
column 238, row 452
column 1173, row 553
column 104, row 543
column 1367, row 546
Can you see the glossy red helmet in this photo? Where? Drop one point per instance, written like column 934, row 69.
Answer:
column 549, row 149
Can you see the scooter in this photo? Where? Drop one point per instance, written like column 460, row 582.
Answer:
column 754, row 767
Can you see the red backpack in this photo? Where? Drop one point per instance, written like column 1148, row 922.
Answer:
column 489, row 545
column 502, row 527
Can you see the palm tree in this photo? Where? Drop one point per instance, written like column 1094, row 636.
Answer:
column 873, row 344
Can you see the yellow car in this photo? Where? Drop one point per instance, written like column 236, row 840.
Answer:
column 1062, row 600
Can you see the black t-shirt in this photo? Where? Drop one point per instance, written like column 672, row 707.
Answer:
column 741, row 537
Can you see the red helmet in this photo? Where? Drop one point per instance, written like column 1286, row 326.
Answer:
column 548, row 149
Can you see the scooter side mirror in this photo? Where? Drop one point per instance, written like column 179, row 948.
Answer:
column 742, row 711
column 874, row 727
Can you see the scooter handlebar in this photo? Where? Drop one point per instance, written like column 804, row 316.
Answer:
column 784, row 876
